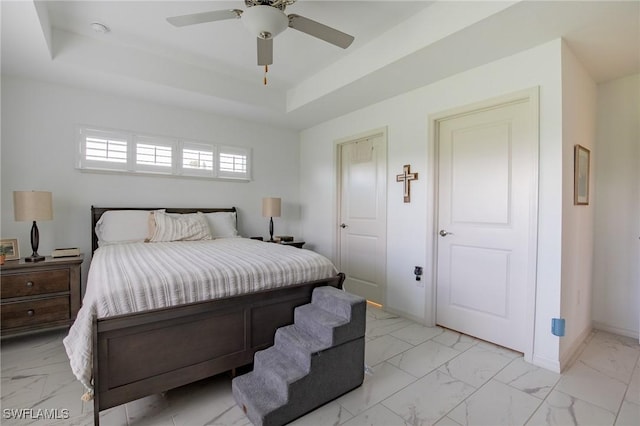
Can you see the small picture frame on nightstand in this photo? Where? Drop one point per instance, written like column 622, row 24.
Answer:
column 9, row 247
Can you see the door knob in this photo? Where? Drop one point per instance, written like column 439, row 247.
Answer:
column 444, row 233
column 343, row 225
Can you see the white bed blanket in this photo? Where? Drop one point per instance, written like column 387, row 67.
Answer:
column 135, row 277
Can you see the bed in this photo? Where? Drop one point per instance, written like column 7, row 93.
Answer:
column 137, row 354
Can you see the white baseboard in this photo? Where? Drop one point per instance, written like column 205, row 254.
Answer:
column 558, row 365
column 549, row 364
column 405, row 315
column 616, row 330
column 575, row 350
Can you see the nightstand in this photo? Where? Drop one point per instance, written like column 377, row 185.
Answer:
column 39, row 295
column 297, row 244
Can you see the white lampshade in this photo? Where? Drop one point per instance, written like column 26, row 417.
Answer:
column 265, row 21
column 32, row 205
column 271, row 207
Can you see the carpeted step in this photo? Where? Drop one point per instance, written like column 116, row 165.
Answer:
column 279, row 369
column 256, row 397
column 336, row 370
column 314, row 360
column 339, row 302
column 318, row 322
column 300, row 345
column 326, row 326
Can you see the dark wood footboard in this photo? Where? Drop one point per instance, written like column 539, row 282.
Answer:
column 141, row 354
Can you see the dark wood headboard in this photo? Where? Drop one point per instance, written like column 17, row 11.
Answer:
column 96, row 213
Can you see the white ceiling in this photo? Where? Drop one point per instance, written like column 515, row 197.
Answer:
column 399, row 46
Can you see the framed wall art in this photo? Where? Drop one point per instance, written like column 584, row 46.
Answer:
column 581, row 160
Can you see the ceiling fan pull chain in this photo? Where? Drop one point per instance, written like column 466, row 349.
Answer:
column 266, row 70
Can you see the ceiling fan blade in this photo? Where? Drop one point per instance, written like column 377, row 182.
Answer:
column 321, row 31
column 200, row 18
column 265, row 51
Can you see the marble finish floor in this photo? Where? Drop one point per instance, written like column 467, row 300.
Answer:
column 416, row 376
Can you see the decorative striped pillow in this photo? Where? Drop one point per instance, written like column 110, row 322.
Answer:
column 184, row 227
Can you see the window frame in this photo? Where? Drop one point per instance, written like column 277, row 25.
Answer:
column 154, row 141
column 239, row 151
column 177, row 145
column 83, row 162
column 200, row 147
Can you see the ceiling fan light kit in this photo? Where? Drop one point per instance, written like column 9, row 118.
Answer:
column 265, row 22
column 265, row 19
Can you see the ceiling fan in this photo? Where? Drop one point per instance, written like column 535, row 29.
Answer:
column 266, row 19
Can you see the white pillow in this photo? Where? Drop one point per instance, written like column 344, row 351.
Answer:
column 184, row 227
column 122, row 226
column 222, row 224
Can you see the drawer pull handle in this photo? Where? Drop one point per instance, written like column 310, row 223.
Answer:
column 29, row 283
column 31, row 312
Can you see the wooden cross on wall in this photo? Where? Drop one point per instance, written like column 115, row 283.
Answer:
column 407, row 177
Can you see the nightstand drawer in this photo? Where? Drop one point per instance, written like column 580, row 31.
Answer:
column 33, row 283
column 39, row 295
column 35, row 312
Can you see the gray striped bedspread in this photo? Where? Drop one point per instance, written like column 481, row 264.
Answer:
column 135, row 277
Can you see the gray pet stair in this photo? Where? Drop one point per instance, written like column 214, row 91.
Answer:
column 313, row 361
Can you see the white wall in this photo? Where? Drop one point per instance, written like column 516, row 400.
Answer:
column 410, row 228
column 578, row 127
column 616, row 267
column 38, row 121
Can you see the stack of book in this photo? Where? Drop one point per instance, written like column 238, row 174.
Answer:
column 282, row 238
column 66, row 252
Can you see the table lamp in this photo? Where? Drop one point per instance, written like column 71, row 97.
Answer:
column 31, row 206
column 271, row 208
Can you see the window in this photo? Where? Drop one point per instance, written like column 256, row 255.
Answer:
column 197, row 159
column 154, row 154
column 233, row 162
column 106, row 149
column 102, row 149
column 113, row 150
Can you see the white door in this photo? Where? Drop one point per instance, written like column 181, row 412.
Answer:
column 362, row 221
column 487, row 196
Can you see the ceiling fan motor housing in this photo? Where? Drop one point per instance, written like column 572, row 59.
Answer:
column 280, row 4
column 265, row 22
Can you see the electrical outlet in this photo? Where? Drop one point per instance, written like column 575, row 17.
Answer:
column 418, row 273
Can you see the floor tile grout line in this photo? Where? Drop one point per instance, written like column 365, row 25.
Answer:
column 474, row 343
column 539, row 405
column 416, row 379
column 350, row 413
column 484, row 384
column 413, row 377
column 574, row 361
column 543, row 400
column 624, row 397
column 590, row 344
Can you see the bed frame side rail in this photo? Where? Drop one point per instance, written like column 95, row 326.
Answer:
column 141, row 354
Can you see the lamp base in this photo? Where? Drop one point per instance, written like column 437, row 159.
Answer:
column 271, row 240
column 35, row 242
column 34, row 258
